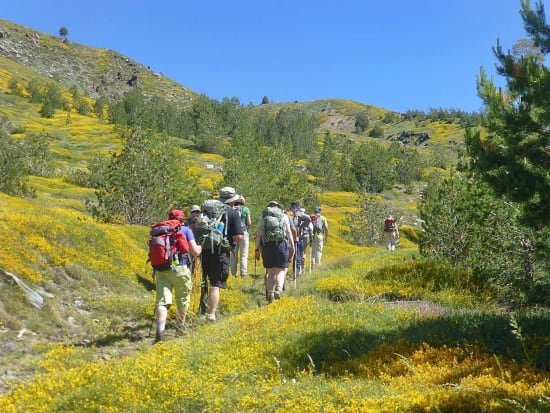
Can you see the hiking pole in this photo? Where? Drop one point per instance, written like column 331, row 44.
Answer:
column 295, row 262
column 152, row 320
column 310, row 256
column 236, row 264
column 203, row 301
column 154, row 310
column 195, row 263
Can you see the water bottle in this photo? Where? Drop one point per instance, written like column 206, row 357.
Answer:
column 221, row 226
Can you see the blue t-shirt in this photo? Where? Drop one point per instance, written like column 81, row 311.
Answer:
column 184, row 258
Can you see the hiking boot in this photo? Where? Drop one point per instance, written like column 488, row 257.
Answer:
column 182, row 330
column 210, row 317
column 160, row 337
column 278, row 293
column 270, row 298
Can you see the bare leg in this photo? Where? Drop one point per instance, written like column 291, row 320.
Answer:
column 213, row 300
column 161, row 314
column 280, row 276
column 181, row 314
column 270, row 283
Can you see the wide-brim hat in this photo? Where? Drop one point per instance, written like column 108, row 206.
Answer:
column 228, row 195
column 317, row 209
column 195, row 208
column 274, row 203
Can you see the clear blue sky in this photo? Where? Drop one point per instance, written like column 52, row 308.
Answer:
column 399, row 55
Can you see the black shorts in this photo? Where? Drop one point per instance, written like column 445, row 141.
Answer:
column 216, row 267
column 275, row 254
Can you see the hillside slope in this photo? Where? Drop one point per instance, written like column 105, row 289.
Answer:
column 95, row 72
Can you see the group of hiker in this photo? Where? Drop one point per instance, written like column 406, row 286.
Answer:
column 216, row 238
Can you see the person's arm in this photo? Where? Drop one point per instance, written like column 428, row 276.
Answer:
column 248, row 222
column 234, row 220
column 325, row 230
column 194, row 249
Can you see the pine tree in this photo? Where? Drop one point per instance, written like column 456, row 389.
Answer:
column 515, row 156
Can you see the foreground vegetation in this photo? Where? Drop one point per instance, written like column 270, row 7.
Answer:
column 369, row 331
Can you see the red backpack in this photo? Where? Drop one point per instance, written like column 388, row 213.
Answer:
column 165, row 243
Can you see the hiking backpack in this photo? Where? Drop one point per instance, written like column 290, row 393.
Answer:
column 389, row 224
column 273, row 224
column 210, row 229
column 302, row 225
column 165, row 244
column 317, row 223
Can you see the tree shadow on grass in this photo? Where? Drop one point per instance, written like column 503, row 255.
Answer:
column 490, row 332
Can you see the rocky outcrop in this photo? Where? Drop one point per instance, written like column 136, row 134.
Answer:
column 410, row 138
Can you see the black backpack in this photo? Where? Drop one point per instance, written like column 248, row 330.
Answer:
column 303, row 228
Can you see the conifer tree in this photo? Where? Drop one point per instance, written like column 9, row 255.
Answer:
column 515, row 156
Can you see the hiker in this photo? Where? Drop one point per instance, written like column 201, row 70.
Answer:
column 290, row 214
column 178, row 278
column 216, row 259
column 195, row 213
column 391, row 233
column 274, row 243
column 240, row 254
column 304, row 228
column 320, row 235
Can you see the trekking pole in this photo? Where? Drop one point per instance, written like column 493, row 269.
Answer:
column 295, row 262
column 236, row 262
column 310, row 256
column 196, row 263
column 152, row 320
column 204, row 294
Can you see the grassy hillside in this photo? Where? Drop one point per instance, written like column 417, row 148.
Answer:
column 368, row 331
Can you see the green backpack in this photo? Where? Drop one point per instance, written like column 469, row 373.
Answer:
column 273, row 224
column 210, row 230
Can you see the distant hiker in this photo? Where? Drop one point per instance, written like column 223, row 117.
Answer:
column 304, row 232
column 218, row 243
column 274, row 243
column 176, row 276
column 304, row 228
column 391, row 233
column 290, row 214
column 320, row 235
column 240, row 255
column 195, row 213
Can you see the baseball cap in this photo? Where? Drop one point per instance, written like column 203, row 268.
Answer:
column 176, row 214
